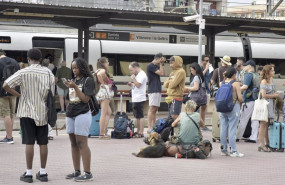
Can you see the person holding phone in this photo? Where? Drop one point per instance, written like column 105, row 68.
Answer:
column 62, row 74
column 155, row 70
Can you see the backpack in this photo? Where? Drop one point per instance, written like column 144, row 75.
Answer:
column 123, row 128
column 255, row 89
column 224, row 97
column 161, row 123
column 8, row 70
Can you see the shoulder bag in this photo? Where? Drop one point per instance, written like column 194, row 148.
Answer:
column 260, row 110
column 200, row 96
column 51, row 113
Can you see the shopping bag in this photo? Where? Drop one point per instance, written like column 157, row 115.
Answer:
column 260, row 110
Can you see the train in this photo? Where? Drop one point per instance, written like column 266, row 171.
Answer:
column 62, row 44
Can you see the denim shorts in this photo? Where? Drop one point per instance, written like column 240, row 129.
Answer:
column 79, row 125
column 175, row 107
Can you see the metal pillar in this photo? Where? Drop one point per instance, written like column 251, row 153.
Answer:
column 210, row 48
column 83, row 42
column 80, row 41
column 200, row 31
column 86, row 44
column 275, row 7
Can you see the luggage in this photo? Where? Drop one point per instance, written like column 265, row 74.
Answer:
column 95, row 127
column 277, row 136
column 163, row 127
column 123, row 127
column 120, row 114
column 216, row 124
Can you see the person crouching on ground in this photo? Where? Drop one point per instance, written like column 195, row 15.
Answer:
column 175, row 85
column 79, row 118
column 229, row 120
column 138, row 86
column 189, row 122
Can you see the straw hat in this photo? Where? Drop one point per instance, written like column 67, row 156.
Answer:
column 227, row 60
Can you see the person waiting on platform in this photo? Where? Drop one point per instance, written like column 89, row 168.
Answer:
column 138, row 86
column 175, row 85
column 103, row 96
column 189, row 133
column 229, row 120
column 79, row 118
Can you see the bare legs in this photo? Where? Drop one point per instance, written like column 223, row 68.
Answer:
column 30, row 155
column 63, row 100
column 263, row 133
column 8, row 122
column 151, row 117
column 140, row 123
column 203, row 115
column 105, row 116
column 79, row 147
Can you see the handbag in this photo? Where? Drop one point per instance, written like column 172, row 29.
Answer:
column 260, row 110
column 93, row 103
column 215, row 87
column 51, row 113
column 200, row 96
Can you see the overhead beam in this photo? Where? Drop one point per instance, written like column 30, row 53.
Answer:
column 275, row 7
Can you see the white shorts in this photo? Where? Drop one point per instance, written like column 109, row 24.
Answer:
column 154, row 99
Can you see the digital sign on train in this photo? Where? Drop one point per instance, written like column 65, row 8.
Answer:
column 5, row 40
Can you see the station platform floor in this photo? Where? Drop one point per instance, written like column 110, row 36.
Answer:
column 113, row 163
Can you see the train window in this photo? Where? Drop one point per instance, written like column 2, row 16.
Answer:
column 19, row 56
column 5, row 40
column 119, row 62
column 47, row 42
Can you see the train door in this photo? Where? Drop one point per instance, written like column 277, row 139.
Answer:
column 52, row 48
column 246, row 46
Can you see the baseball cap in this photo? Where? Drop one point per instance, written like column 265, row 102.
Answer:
column 171, row 59
column 249, row 62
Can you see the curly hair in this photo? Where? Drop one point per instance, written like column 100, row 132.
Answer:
column 265, row 74
column 83, row 67
column 190, row 105
column 100, row 64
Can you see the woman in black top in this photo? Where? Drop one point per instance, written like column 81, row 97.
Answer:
column 79, row 118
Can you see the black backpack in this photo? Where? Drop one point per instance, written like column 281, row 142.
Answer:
column 9, row 69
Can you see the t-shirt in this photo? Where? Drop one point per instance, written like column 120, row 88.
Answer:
column 154, row 83
column 139, row 94
column 248, row 80
column 196, row 79
column 189, row 133
column 63, row 72
column 215, row 77
column 3, row 62
column 76, row 106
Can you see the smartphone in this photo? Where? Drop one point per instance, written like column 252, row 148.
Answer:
column 63, row 80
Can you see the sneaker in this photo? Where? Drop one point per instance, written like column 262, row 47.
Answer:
column 205, row 128
column 61, row 112
column 26, row 178
column 73, row 175
column 225, row 153
column 236, row 154
column 85, row 177
column 42, row 177
column 8, row 141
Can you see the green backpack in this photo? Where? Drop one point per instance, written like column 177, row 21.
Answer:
column 255, row 90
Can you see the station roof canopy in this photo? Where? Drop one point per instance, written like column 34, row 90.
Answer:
column 79, row 17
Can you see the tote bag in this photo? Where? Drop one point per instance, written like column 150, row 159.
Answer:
column 260, row 110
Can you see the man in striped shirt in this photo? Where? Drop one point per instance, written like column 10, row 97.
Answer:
column 34, row 82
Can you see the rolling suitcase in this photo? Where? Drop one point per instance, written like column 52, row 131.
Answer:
column 95, row 127
column 216, row 126
column 120, row 114
column 277, row 136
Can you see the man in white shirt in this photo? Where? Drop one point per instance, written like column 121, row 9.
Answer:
column 138, row 85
